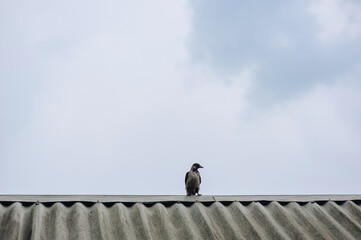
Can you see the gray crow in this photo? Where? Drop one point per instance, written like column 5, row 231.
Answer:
column 193, row 180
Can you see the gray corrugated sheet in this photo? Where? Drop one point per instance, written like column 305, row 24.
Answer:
column 180, row 217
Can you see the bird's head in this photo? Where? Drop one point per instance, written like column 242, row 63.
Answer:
column 196, row 166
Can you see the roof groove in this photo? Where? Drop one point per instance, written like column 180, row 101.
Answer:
column 353, row 210
column 161, row 223
column 225, row 221
column 183, row 222
column 58, row 219
column 140, row 217
column 11, row 222
column 329, row 222
column 35, row 227
column 285, row 220
column 315, row 221
column 201, row 216
column 310, row 226
column 266, row 220
column 24, row 218
column 345, row 221
column 79, row 222
column 124, row 228
column 101, row 221
column 245, row 221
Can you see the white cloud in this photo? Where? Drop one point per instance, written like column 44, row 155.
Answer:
column 303, row 143
column 119, row 104
column 338, row 20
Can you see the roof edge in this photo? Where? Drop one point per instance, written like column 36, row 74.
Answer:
column 175, row 198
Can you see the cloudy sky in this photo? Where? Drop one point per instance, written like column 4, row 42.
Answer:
column 121, row 97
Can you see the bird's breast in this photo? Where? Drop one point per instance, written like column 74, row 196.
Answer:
column 193, row 178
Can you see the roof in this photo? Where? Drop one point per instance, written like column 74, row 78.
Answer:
column 180, row 217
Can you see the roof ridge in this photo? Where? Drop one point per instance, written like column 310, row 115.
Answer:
column 177, row 198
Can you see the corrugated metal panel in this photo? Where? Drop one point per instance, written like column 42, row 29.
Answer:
column 265, row 219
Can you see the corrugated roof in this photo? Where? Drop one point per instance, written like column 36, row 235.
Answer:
column 180, row 217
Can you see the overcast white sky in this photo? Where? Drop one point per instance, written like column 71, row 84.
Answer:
column 122, row 97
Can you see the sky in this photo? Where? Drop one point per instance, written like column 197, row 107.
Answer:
column 122, row 97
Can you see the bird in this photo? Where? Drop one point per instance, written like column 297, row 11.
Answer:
column 193, row 180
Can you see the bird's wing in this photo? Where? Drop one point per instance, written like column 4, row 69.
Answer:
column 186, row 177
column 200, row 179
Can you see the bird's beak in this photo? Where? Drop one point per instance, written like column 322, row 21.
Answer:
column 200, row 166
